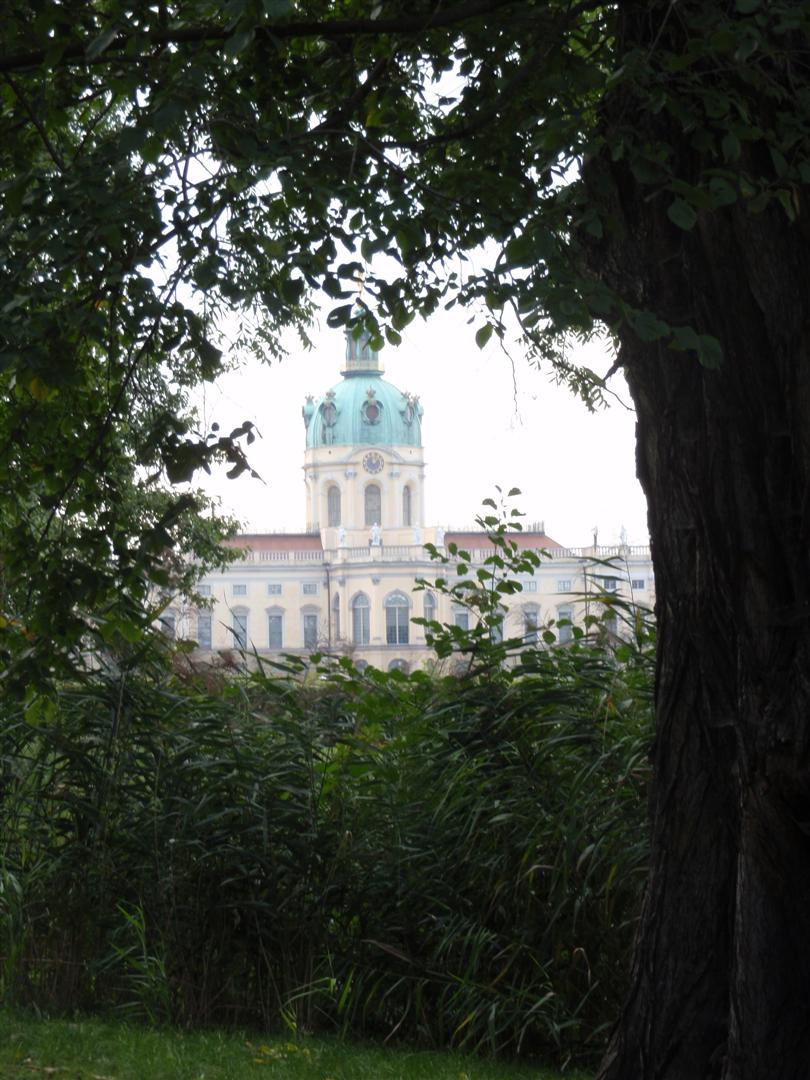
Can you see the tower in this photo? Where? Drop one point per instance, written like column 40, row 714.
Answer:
column 364, row 462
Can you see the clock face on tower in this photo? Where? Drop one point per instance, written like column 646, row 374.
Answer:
column 373, row 462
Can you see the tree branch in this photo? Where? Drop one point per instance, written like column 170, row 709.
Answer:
column 337, row 28
column 53, row 153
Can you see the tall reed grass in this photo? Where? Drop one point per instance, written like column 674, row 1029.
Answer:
column 450, row 860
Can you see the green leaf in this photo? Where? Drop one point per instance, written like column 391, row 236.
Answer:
column 210, row 356
column 685, row 337
column 682, row 214
column 788, row 201
column 779, row 161
column 722, row 192
column 131, row 138
column 99, row 44
column 747, row 7
column 520, row 251
column 710, row 352
column 731, row 147
column 482, row 335
column 339, row 316
column 238, row 42
column 648, row 326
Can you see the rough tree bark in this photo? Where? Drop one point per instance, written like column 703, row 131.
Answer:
column 721, row 973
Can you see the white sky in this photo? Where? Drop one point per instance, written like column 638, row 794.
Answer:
column 575, row 469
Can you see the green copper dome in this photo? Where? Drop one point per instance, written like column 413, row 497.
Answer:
column 363, row 407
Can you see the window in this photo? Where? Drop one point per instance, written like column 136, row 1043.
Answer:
column 275, row 630
column 204, row 630
column 639, row 584
column 530, row 585
column 531, row 620
column 239, row 629
column 335, row 617
column 274, row 588
column 361, row 610
column 399, row 665
column 406, row 505
column 397, row 611
column 371, row 411
column 461, row 619
column 239, row 590
column 360, row 665
column 204, row 590
column 168, row 624
column 565, row 633
column 430, row 606
column 310, row 588
column 373, row 504
column 564, row 585
column 609, row 584
column 310, row 630
column 496, row 631
column 333, row 505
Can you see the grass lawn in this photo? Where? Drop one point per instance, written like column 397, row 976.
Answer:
column 94, row 1050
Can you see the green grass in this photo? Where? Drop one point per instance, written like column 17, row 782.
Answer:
column 94, row 1050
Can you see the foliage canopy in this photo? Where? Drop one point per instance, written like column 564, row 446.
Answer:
column 161, row 164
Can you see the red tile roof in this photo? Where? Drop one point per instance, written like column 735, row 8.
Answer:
column 469, row 540
column 277, row 541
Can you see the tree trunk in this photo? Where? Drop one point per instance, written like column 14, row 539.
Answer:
column 721, row 973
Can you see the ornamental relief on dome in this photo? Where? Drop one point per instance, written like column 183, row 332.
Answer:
column 411, row 409
column 371, row 409
column 329, row 415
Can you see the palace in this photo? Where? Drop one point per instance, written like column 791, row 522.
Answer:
column 346, row 585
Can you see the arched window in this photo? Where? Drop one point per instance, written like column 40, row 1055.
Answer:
column 531, row 622
column 373, row 504
column 397, row 613
column 168, row 624
column 335, row 617
column 406, row 505
column 399, row 665
column 333, row 505
column 361, row 611
column 430, row 606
